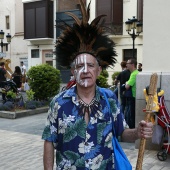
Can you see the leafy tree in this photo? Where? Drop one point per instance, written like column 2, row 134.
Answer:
column 44, row 80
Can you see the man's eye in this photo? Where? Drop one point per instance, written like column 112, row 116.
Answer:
column 79, row 66
column 90, row 65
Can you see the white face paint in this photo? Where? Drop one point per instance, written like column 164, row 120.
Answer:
column 81, row 67
column 86, row 70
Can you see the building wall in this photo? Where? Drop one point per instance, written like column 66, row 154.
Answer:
column 17, row 49
column 156, row 36
column 125, row 41
column 156, row 40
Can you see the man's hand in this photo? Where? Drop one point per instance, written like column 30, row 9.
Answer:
column 145, row 130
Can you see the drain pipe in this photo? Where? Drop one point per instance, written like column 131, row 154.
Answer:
column 54, row 24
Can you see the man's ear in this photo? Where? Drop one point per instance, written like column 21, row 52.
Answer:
column 72, row 71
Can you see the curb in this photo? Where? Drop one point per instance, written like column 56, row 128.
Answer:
column 18, row 114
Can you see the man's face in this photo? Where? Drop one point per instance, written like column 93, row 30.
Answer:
column 139, row 66
column 86, row 70
column 129, row 65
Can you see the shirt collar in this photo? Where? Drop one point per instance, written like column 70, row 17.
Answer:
column 72, row 93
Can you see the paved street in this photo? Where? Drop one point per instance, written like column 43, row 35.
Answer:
column 21, row 147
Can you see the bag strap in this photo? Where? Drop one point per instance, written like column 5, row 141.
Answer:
column 108, row 105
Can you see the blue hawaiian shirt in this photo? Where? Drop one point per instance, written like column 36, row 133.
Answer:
column 80, row 146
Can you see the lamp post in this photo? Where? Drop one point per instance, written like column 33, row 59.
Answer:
column 134, row 28
column 8, row 37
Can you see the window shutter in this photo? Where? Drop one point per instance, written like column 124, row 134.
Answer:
column 104, row 7
column 114, row 11
column 118, row 16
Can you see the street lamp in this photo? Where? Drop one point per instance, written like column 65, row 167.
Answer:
column 8, row 37
column 132, row 25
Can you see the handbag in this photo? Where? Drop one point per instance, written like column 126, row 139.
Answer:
column 126, row 92
column 121, row 161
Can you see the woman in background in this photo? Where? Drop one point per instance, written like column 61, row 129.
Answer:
column 17, row 77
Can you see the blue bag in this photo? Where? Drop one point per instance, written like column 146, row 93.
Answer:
column 120, row 159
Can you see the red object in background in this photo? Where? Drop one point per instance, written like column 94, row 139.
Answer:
column 70, row 84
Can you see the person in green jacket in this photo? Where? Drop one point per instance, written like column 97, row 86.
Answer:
column 131, row 83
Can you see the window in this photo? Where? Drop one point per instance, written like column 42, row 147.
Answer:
column 35, row 53
column 7, row 23
column 128, row 53
column 48, row 55
column 61, row 16
column 38, row 19
column 114, row 11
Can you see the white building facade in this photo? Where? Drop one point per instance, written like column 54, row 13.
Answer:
column 44, row 47
column 11, row 21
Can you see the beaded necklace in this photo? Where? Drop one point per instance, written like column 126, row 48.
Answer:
column 88, row 108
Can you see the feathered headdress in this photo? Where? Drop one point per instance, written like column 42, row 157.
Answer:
column 84, row 37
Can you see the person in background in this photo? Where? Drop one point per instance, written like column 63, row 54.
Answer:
column 17, row 77
column 139, row 66
column 71, row 83
column 23, row 71
column 2, row 78
column 131, row 83
column 115, row 85
column 79, row 123
column 122, row 78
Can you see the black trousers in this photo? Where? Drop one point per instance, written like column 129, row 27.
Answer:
column 130, row 112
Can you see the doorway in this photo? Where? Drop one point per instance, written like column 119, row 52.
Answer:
column 47, row 57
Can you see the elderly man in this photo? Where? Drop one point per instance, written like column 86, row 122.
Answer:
column 79, row 123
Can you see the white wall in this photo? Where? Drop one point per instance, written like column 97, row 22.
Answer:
column 41, row 45
column 156, row 36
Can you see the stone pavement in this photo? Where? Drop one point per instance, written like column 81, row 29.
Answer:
column 21, row 147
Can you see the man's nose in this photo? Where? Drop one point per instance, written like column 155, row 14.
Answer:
column 85, row 68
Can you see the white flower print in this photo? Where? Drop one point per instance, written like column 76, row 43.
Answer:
column 67, row 165
column 108, row 140
column 62, row 126
column 88, row 163
column 117, row 112
column 53, row 113
column 53, row 129
column 87, row 136
column 85, row 147
column 97, row 162
column 69, row 119
column 93, row 120
column 70, row 167
column 99, row 114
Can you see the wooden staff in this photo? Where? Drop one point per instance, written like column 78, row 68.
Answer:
column 149, row 106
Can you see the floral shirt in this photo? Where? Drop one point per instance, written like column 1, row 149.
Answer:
column 80, row 146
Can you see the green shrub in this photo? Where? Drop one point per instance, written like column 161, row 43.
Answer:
column 102, row 79
column 11, row 95
column 30, row 95
column 44, row 80
column 114, row 75
column 104, row 73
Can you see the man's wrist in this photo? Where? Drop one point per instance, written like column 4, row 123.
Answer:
column 135, row 133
